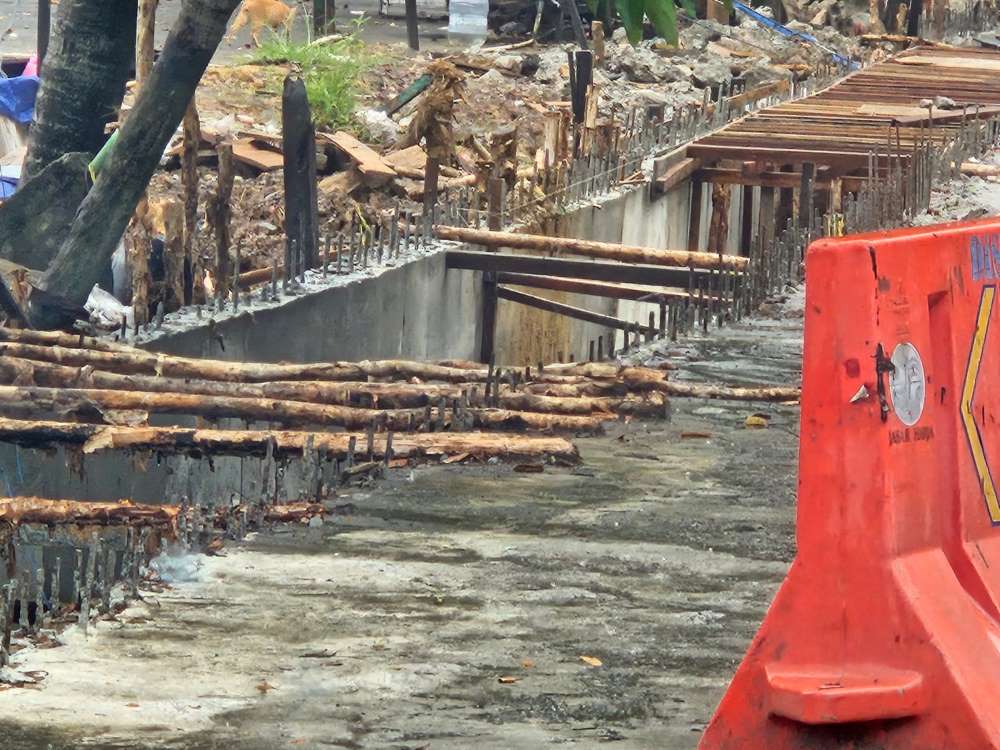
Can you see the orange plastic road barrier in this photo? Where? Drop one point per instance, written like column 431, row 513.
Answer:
column 886, row 632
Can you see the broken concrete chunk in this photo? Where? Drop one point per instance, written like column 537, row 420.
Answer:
column 645, row 66
column 711, row 72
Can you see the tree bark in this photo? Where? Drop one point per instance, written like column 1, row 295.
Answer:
column 158, row 110
column 92, row 438
column 87, row 66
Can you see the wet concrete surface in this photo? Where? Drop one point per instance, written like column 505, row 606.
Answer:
column 392, row 627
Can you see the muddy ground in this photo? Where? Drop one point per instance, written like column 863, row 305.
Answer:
column 393, row 626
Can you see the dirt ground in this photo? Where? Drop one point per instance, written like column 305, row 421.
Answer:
column 451, row 609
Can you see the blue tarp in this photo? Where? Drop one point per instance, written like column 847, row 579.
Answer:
column 7, row 187
column 17, row 98
column 785, row 31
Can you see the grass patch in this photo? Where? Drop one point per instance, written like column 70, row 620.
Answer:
column 332, row 73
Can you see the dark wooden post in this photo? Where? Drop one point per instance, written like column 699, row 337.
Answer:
column 44, row 27
column 694, row 225
column 574, row 16
column 581, row 76
column 411, row 25
column 299, row 145
column 220, row 219
column 806, row 195
column 319, row 17
column 746, row 222
column 913, row 19
column 494, row 192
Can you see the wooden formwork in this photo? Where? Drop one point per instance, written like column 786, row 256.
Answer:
column 879, row 123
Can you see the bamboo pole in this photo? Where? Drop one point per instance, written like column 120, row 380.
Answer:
column 92, row 438
column 591, row 249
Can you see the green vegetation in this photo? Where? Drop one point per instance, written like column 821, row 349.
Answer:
column 331, row 71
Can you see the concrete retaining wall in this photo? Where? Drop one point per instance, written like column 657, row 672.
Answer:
column 417, row 310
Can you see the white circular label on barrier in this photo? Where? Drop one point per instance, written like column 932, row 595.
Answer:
column 907, row 384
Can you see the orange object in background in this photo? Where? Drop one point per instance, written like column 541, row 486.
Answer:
column 886, row 631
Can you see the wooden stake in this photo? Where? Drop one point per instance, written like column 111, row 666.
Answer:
column 189, row 179
column 145, row 39
column 220, row 210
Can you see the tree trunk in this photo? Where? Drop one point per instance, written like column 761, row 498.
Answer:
column 88, row 63
column 158, row 110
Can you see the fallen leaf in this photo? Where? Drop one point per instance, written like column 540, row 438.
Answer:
column 592, row 661
column 528, row 664
column 264, row 687
column 131, row 705
column 755, row 422
column 457, row 458
column 695, row 435
column 214, row 548
column 399, row 463
column 508, row 680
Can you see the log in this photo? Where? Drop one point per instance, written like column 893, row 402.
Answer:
column 772, row 393
column 91, row 438
column 974, row 169
column 590, row 249
column 95, row 403
column 136, row 361
column 61, row 338
column 367, row 395
column 25, row 510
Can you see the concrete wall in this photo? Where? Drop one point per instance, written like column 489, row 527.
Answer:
column 415, row 311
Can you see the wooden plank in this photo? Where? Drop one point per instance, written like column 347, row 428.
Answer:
column 940, row 61
column 247, row 152
column 675, row 175
column 411, row 158
column 627, row 273
column 577, row 313
column 372, row 167
column 592, row 288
